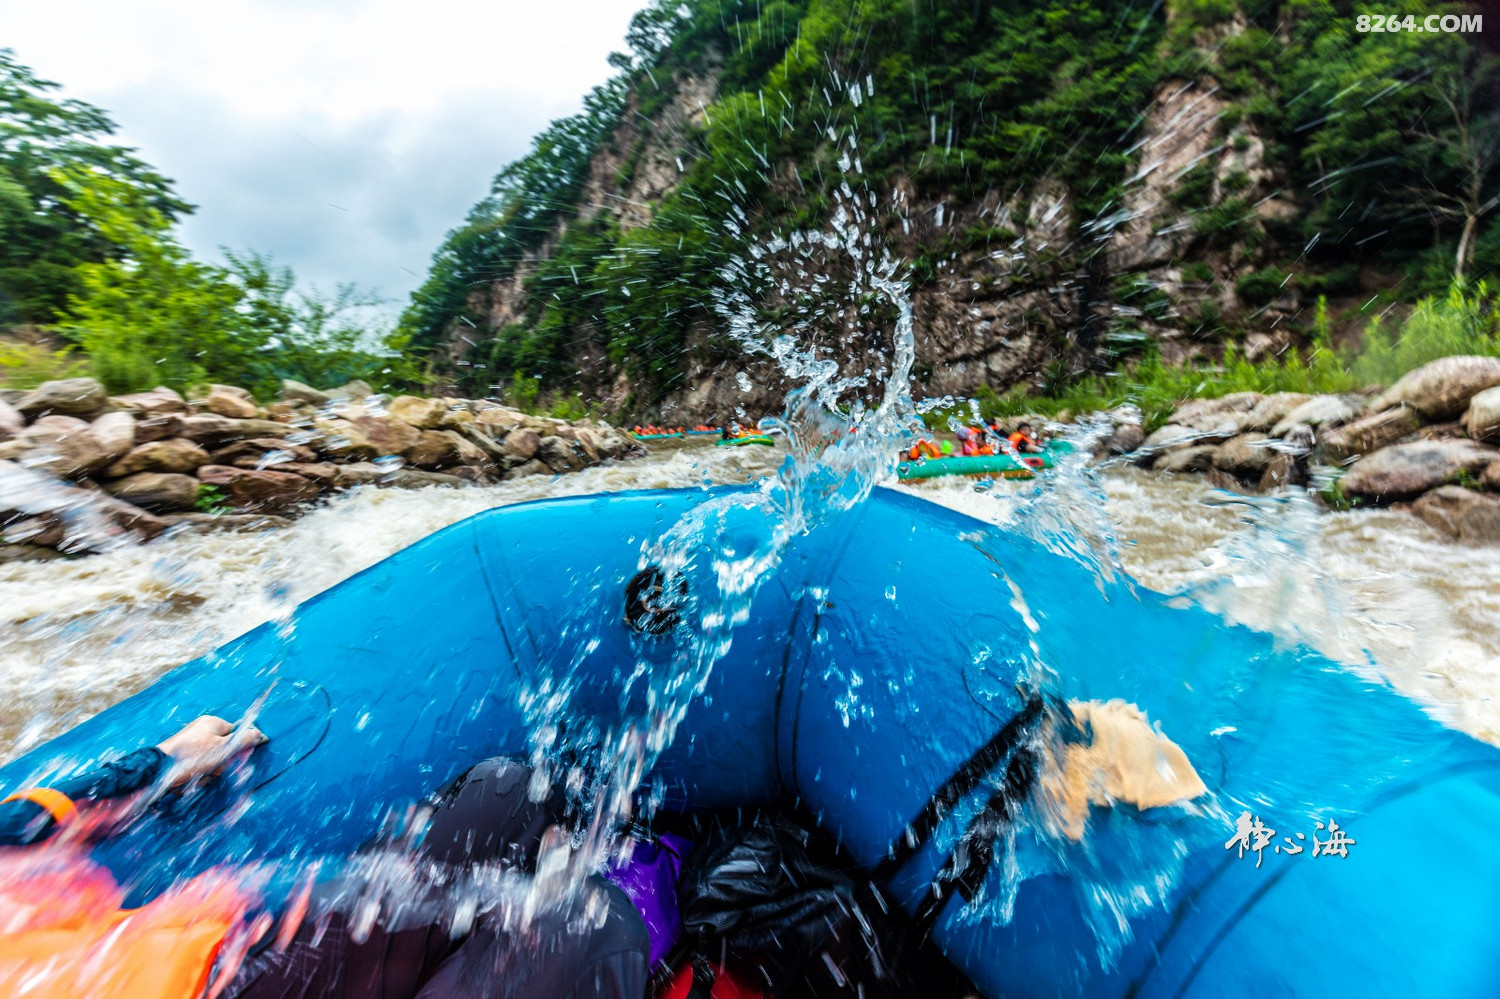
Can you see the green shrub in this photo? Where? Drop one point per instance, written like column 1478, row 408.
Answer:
column 211, row 499
column 1261, row 287
column 1461, row 322
column 26, row 365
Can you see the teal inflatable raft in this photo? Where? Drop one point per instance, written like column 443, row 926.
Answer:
column 764, row 439
column 883, row 653
column 984, row 466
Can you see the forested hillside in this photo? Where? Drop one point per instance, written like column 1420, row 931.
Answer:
column 1076, row 186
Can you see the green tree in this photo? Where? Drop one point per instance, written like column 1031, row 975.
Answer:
column 153, row 315
column 45, row 233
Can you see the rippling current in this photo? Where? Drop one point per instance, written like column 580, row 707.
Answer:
column 1375, row 588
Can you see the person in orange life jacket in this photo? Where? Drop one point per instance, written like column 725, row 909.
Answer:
column 61, row 908
column 212, row 936
column 1022, row 440
column 972, row 443
column 923, row 448
column 199, row 750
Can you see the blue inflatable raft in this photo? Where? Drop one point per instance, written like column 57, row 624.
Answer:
column 884, row 650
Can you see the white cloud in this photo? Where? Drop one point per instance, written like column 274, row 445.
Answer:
column 344, row 137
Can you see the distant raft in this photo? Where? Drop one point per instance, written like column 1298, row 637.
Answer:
column 984, row 466
column 654, row 437
column 765, row 439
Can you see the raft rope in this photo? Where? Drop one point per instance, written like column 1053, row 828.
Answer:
column 965, row 868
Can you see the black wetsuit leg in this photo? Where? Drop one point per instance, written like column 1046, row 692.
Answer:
column 609, row 962
column 487, row 815
column 483, row 816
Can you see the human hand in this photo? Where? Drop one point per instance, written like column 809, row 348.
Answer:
column 204, row 745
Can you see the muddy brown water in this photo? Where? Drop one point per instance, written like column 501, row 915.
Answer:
column 1362, row 587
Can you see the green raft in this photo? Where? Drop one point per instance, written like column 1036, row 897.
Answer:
column 765, row 439
column 984, row 466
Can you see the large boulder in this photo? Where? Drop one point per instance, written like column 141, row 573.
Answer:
column 1402, row 471
column 587, row 441
column 290, row 412
column 1125, row 439
column 172, row 455
column 1283, row 470
column 247, row 489
column 457, row 419
column 1461, row 513
column 159, row 400
column 437, row 449
column 560, row 454
column 99, row 514
column 1272, row 409
column 387, row 435
column 497, row 421
column 1441, row 389
column 68, row 397
column 324, row 473
column 1325, row 411
column 59, row 445
column 424, row 414
column 1484, row 415
column 1371, row 433
column 1197, row 458
column 357, row 473
column 295, row 391
column 495, row 453
column 58, row 424
column 256, row 449
column 158, row 427
column 114, row 433
column 1246, row 457
column 356, row 389
column 162, row 492
column 228, row 400
column 211, row 429
column 523, row 443
column 1197, row 413
column 340, row 440
column 525, row 469
column 11, row 420
column 45, row 530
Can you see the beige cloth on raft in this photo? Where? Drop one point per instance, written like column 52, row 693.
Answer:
column 1127, row 761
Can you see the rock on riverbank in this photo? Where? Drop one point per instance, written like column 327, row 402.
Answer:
column 80, row 469
column 1426, row 444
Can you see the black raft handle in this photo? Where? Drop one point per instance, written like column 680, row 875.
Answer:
column 647, row 606
column 966, row 866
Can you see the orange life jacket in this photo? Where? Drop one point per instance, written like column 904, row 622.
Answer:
column 1019, row 441
column 63, row 933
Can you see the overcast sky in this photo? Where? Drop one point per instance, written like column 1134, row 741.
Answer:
column 342, row 136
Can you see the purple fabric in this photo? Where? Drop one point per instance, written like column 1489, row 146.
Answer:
column 649, row 879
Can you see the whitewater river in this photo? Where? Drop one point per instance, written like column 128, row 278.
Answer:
column 1362, row 587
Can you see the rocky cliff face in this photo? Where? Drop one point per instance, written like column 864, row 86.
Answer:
column 1014, row 287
